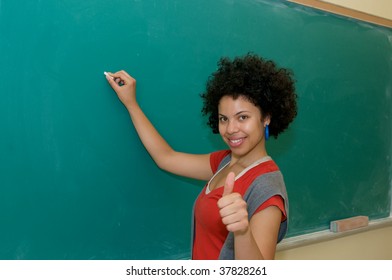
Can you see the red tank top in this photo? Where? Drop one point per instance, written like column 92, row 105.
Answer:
column 210, row 233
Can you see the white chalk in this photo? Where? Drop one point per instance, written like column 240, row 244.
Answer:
column 107, row 74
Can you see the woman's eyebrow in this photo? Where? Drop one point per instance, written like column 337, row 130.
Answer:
column 236, row 114
column 241, row 112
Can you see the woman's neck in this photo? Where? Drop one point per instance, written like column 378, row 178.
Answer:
column 248, row 159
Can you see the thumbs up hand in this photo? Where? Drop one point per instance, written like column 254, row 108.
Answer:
column 233, row 208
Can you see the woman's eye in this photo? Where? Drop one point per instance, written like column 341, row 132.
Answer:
column 222, row 119
column 243, row 117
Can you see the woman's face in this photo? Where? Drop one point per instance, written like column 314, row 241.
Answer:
column 241, row 126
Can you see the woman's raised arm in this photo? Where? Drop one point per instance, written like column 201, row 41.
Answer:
column 183, row 164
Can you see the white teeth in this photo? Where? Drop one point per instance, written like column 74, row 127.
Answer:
column 235, row 141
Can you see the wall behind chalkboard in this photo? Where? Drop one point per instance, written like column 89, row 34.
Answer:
column 75, row 181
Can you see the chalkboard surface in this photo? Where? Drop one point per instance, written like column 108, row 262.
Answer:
column 75, row 181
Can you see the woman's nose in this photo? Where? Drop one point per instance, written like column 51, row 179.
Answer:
column 232, row 127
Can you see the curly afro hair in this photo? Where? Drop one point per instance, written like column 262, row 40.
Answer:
column 258, row 80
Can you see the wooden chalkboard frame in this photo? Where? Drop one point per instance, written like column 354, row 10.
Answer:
column 339, row 10
column 326, row 235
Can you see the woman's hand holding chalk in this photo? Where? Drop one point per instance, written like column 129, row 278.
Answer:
column 125, row 87
column 118, row 81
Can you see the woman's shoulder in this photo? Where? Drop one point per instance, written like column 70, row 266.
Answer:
column 267, row 165
column 267, row 178
column 217, row 157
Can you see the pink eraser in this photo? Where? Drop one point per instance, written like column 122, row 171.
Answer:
column 349, row 224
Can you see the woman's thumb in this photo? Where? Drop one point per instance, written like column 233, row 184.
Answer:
column 229, row 184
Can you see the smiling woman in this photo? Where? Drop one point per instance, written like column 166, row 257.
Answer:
column 242, row 211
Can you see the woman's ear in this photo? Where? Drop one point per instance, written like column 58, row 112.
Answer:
column 266, row 120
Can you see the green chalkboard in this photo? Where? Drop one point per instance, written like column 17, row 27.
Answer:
column 75, row 181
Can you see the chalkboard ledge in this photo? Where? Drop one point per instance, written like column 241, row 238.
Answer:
column 325, row 235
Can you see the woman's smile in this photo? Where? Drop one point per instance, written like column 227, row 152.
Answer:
column 236, row 142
